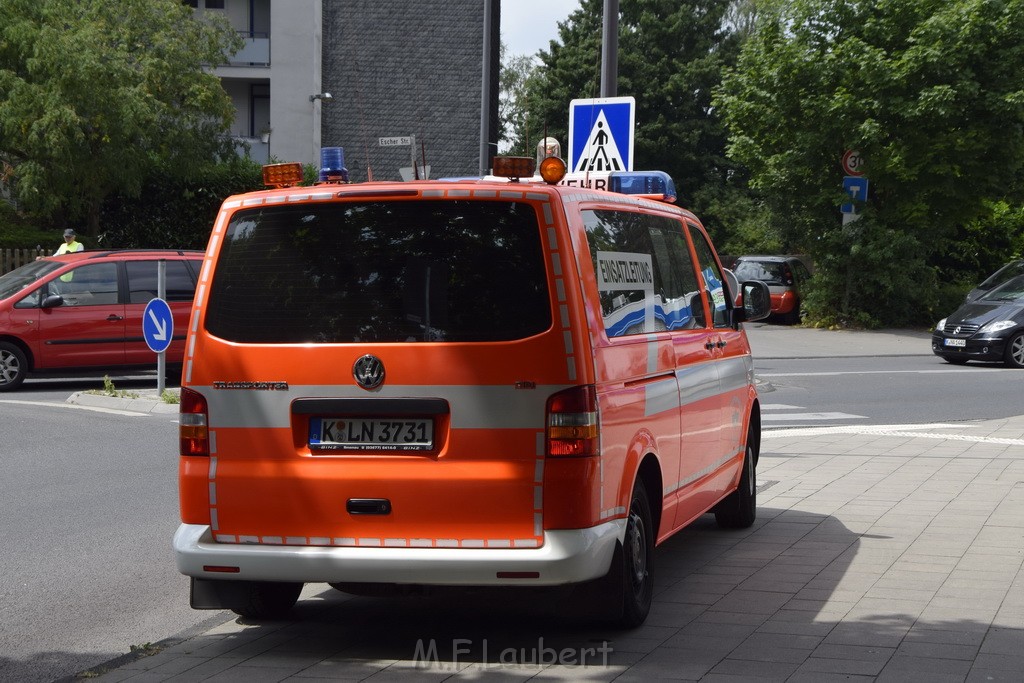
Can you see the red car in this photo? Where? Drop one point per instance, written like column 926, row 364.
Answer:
column 784, row 275
column 83, row 311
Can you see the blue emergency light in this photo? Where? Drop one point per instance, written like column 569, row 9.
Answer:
column 643, row 182
column 332, row 165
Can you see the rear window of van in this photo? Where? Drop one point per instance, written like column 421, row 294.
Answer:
column 381, row 271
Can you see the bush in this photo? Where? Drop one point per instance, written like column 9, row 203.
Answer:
column 19, row 232
column 175, row 213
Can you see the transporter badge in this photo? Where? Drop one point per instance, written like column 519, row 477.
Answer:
column 368, row 372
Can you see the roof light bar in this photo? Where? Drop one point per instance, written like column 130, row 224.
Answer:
column 650, row 184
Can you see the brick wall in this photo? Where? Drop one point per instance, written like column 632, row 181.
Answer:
column 407, row 67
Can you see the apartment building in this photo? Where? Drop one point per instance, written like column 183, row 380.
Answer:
column 369, row 76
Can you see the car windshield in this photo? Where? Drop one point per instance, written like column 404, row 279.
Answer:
column 1011, row 290
column 25, row 276
column 768, row 272
column 1008, row 271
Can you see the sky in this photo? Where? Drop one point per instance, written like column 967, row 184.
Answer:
column 528, row 25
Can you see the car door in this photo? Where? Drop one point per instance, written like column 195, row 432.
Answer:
column 698, row 384
column 142, row 288
column 731, row 352
column 87, row 328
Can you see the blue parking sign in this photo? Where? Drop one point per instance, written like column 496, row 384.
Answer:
column 157, row 325
column 601, row 134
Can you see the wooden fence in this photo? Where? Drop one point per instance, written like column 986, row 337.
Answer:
column 12, row 258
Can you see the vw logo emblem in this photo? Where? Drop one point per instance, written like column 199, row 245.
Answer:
column 369, row 372
column 957, row 330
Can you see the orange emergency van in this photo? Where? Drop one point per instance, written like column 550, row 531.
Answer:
column 504, row 382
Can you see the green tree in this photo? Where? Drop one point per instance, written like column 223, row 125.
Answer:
column 514, row 103
column 671, row 57
column 929, row 92
column 97, row 93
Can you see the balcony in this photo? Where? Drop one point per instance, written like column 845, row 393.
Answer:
column 255, row 52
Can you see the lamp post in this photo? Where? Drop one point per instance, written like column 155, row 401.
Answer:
column 323, row 97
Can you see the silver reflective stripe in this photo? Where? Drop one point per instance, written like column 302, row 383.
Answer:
column 698, row 382
column 736, row 372
column 661, row 396
column 472, row 406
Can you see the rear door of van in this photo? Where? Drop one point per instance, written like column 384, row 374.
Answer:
column 377, row 366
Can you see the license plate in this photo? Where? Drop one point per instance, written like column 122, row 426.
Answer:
column 382, row 434
column 955, row 342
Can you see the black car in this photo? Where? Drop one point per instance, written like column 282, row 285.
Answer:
column 990, row 328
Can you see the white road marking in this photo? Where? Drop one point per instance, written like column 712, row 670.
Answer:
column 51, row 404
column 922, row 431
column 879, row 372
column 811, row 416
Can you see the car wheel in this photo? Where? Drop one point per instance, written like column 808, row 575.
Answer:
column 955, row 360
column 13, row 366
column 629, row 586
column 268, row 599
column 739, row 509
column 1014, row 354
column 793, row 317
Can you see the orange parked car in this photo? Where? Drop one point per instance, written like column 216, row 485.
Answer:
column 785, row 277
column 468, row 382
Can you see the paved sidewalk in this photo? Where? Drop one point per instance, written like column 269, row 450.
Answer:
column 888, row 554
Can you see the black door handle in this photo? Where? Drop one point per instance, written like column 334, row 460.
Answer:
column 114, row 318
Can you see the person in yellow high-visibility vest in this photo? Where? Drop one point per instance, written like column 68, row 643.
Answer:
column 71, row 244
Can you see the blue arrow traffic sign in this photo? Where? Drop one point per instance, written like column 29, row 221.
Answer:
column 157, row 325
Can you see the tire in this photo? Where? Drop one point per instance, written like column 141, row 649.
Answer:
column 635, row 588
column 1014, row 354
column 955, row 360
column 739, row 509
column 268, row 600
column 13, row 366
column 793, row 317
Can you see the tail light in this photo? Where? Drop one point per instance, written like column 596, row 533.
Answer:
column 572, row 426
column 193, row 433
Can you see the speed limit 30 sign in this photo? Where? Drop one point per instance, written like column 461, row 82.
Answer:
column 852, row 162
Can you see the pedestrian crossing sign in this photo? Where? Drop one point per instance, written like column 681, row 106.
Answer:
column 601, row 134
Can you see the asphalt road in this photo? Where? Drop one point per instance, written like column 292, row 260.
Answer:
column 90, row 503
column 89, row 506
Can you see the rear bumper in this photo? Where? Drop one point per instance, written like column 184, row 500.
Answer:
column 567, row 556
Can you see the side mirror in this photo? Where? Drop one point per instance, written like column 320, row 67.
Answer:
column 52, row 301
column 756, row 302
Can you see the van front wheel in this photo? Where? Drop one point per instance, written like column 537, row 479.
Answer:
column 739, row 509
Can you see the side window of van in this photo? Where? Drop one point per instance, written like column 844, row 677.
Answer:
column 712, row 274
column 645, row 276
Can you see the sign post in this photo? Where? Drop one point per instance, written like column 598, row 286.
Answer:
column 158, row 326
column 413, row 172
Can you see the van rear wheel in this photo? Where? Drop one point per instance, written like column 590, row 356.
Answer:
column 636, row 583
column 268, row 600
